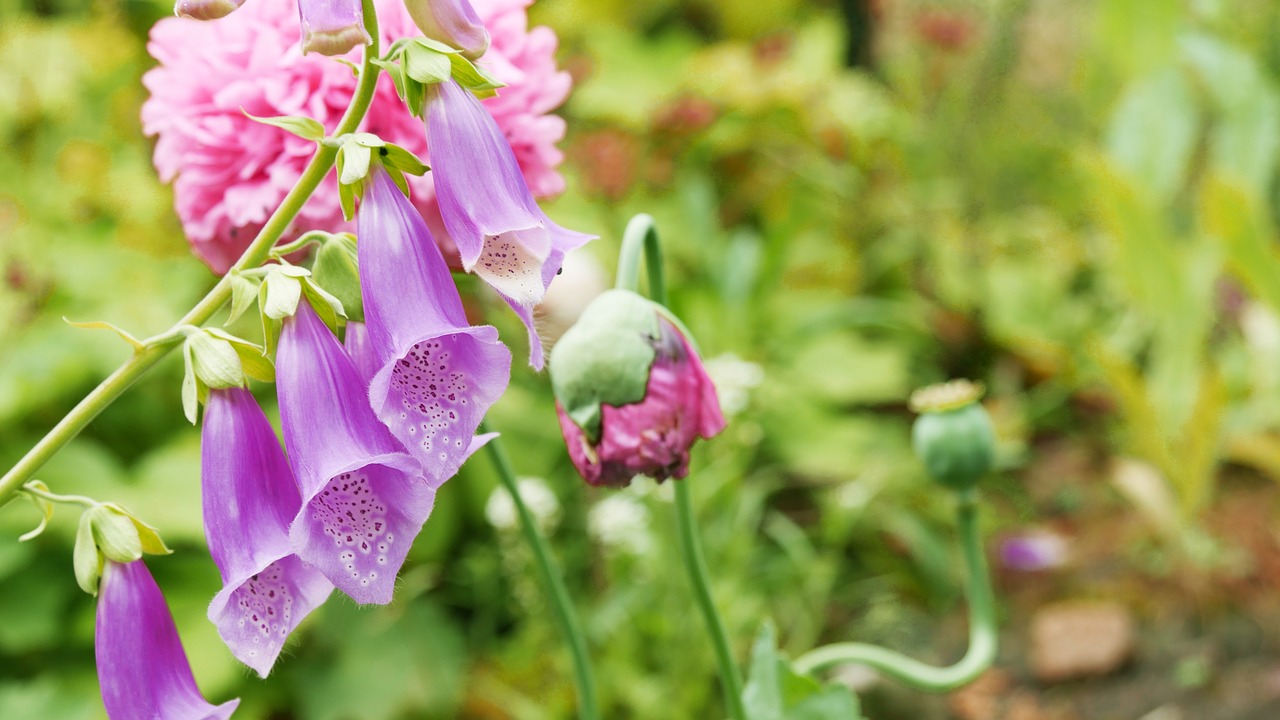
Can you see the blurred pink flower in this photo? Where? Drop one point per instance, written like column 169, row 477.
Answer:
column 229, row 173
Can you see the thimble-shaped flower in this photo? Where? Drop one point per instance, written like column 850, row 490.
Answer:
column 438, row 375
column 249, row 499
column 452, row 22
column 501, row 233
column 142, row 667
column 363, row 498
column 632, row 395
column 332, row 27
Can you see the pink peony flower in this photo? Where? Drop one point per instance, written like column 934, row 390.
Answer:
column 230, row 173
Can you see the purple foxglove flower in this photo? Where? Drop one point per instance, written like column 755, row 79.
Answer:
column 452, row 22
column 360, row 349
column 364, row 498
column 437, row 374
column 206, row 9
column 632, row 395
column 501, row 233
column 249, row 499
column 142, row 668
column 332, row 27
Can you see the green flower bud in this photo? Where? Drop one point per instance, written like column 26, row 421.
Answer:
column 953, row 435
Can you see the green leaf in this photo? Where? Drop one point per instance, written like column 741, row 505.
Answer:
column 85, row 558
column 279, row 294
column 244, row 293
column 355, row 162
column 101, row 325
column 115, row 534
column 762, row 695
column 304, row 127
column 1153, row 132
column 46, row 511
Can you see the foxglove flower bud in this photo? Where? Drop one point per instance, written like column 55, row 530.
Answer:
column 437, row 374
column 249, row 499
column 632, row 395
column 332, row 27
column 452, row 22
column 142, row 667
column 501, row 233
column 363, row 498
column 953, row 434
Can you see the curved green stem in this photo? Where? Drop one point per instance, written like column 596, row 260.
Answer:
column 641, row 233
column 146, row 358
column 552, row 585
column 29, row 489
column 983, row 638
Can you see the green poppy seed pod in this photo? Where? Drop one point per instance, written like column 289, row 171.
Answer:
column 953, row 435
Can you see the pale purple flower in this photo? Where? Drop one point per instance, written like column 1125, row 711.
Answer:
column 142, row 667
column 331, row 27
column 651, row 437
column 230, row 173
column 500, row 232
column 452, row 22
column 364, row 498
column 437, row 374
column 359, row 348
column 1033, row 551
column 249, row 499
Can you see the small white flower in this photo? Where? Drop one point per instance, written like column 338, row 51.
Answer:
column 621, row 522
column 500, row 511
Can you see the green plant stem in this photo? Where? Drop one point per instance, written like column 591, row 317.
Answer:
column 146, row 358
column 552, row 585
column 983, row 638
column 60, row 499
column 642, row 233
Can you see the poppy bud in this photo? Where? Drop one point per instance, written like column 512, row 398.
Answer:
column 953, row 434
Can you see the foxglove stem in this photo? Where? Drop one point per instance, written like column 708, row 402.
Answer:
column 983, row 638
column 146, row 358
column 641, row 233
column 552, row 584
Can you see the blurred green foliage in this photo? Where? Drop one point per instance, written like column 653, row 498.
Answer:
column 1074, row 202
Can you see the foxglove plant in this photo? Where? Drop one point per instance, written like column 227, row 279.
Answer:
column 364, row 499
column 332, row 27
column 452, row 22
column 142, row 668
column 249, row 499
column 438, row 374
column 501, row 233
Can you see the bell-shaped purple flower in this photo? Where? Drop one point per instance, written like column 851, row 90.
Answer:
column 438, row 375
column 332, row 27
column 360, row 349
column 452, row 22
column 632, row 395
column 249, row 498
column 142, row 668
column 364, row 498
column 501, row 233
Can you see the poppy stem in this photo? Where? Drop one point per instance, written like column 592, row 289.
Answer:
column 146, row 357
column 983, row 637
column 552, row 584
column 642, row 233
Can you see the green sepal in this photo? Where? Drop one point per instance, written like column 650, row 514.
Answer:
column 394, row 72
column 304, row 127
column 774, row 691
column 355, row 162
column 346, row 193
column 190, row 389
column 328, row 308
column 957, row 446
column 281, row 289
column 244, row 293
column 150, row 540
column 215, row 361
column 253, row 359
column 85, row 558
column 115, row 534
column 101, row 325
column 605, row 357
column 394, row 156
column 44, row 506
column 424, row 64
column 336, row 271
column 474, row 78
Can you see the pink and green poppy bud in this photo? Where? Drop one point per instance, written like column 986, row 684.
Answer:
column 206, row 9
column 332, row 27
column 142, row 668
column 452, row 22
column 953, row 435
column 500, row 232
column 632, row 395
column 364, row 499
column 249, row 499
